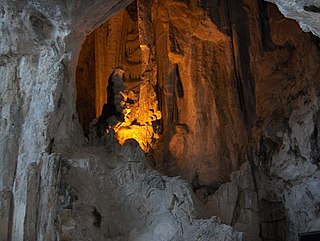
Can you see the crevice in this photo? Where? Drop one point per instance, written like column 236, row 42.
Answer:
column 312, row 8
column 243, row 77
column 266, row 39
column 97, row 217
column 50, row 146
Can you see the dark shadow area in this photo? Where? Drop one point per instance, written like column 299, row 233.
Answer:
column 311, row 236
column 312, row 8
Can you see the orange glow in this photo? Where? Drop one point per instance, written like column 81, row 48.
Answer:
column 143, row 112
column 117, row 44
column 144, row 135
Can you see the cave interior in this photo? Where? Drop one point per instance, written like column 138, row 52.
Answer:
column 203, row 87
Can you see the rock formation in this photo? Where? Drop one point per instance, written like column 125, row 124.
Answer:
column 306, row 13
column 131, row 201
column 117, row 43
column 224, row 94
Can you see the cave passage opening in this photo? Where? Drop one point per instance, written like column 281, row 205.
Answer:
column 112, row 55
column 181, row 86
column 179, row 100
column 219, row 74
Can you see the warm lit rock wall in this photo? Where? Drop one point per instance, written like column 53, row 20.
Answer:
column 275, row 92
column 240, row 84
column 105, row 49
column 199, row 98
column 119, row 43
column 225, row 69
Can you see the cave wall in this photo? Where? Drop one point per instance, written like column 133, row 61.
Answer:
column 240, row 84
column 118, row 44
column 282, row 164
column 225, row 75
column 306, row 13
column 216, row 65
column 199, row 102
column 86, row 84
column 292, row 161
column 40, row 45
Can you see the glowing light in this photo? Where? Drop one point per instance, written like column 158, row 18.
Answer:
column 144, row 135
column 143, row 112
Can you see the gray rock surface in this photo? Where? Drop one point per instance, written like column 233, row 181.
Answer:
column 223, row 202
column 40, row 41
column 110, row 194
column 284, row 195
column 42, row 193
column 305, row 12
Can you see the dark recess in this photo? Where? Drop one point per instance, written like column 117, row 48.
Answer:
column 312, row 8
column 97, row 218
column 266, row 39
column 311, row 236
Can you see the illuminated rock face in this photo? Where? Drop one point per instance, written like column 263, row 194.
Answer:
column 210, row 69
column 199, row 99
column 201, row 78
column 169, row 67
column 237, row 85
column 116, row 44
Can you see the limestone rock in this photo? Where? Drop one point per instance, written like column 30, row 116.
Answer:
column 306, row 13
column 37, row 102
column 109, row 194
column 5, row 215
column 223, row 202
column 237, row 85
column 244, row 210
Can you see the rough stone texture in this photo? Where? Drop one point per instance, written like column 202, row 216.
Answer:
column 131, row 201
column 223, row 202
column 5, row 215
column 296, row 166
column 237, row 82
column 192, row 54
column 39, row 47
column 86, row 84
column 306, row 13
column 119, row 42
column 277, row 188
column 269, row 60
